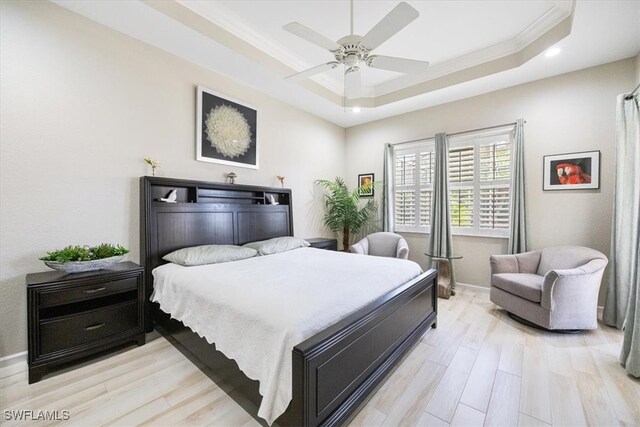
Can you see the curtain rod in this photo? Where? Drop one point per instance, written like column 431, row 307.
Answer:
column 459, row 133
column 633, row 92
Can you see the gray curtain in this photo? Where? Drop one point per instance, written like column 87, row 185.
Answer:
column 388, row 209
column 622, row 305
column 517, row 206
column 440, row 242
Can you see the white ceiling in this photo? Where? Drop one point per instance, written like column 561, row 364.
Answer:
column 490, row 22
column 452, row 35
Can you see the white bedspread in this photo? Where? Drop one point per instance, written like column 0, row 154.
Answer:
column 256, row 310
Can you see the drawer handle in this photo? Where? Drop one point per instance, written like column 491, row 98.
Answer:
column 96, row 326
column 93, row 291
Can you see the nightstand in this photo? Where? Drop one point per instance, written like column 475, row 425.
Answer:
column 323, row 243
column 71, row 316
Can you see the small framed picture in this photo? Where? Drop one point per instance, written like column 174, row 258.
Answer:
column 572, row 171
column 366, row 179
column 226, row 130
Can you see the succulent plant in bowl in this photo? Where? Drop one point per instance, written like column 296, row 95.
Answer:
column 75, row 259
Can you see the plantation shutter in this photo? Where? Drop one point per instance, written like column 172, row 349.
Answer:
column 413, row 186
column 495, row 161
column 461, row 193
column 425, row 207
column 461, row 164
column 494, row 208
column 461, row 206
column 427, row 164
column 495, row 173
column 405, row 200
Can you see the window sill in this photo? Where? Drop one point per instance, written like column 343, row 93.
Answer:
column 485, row 235
column 482, row 235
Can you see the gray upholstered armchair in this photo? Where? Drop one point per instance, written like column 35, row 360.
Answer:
column 556, row 288
column 382, row 244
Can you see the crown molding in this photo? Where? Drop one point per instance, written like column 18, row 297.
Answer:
column 198, row 23
column 503, row 63
column 235, row 25
column 553, row 17
column 220, row 16
column 232, row 34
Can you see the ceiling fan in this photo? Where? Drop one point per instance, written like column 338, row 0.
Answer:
column 353, row 50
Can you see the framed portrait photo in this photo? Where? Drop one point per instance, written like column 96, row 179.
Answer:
column 366, row 179
column 226, row 130
column 572, row 171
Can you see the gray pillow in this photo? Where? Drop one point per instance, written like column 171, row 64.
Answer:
column 276, row 245
column 209, row 254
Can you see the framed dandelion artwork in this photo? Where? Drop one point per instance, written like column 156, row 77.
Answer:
column 226, row 130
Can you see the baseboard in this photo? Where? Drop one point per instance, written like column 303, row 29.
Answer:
column 472, row 287
column 12, row 359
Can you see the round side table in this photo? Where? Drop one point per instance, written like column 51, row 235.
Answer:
column 443, row 263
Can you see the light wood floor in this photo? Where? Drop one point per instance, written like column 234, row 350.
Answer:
column 477, row 368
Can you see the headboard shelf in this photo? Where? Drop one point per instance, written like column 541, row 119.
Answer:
column 207, row 195
column 188, row 191
column 201, row 196
column 206, row 213
column 184, row 194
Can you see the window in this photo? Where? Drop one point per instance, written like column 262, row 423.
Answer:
column 461, row 177
column 479, row 184
column 495, row 185
column 413, row 186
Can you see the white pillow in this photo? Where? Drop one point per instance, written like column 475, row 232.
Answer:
column 209, row 254
column 277, row 244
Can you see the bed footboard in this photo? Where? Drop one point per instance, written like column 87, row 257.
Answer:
column 335, row 371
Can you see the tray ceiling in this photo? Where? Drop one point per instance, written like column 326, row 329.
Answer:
column 473, row 46
column 440, row 34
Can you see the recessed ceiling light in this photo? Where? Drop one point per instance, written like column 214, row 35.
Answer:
column 552, row 52
column 355, row 110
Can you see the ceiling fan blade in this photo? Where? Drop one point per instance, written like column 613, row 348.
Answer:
column 352, row 83
column 401, row 65
column 312, row 71
column 311, row 36
column 395, row 20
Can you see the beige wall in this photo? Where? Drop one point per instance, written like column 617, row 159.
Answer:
column 81, row 106
column 568, row 113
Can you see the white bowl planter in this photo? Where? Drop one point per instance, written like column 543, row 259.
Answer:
column 80, row 266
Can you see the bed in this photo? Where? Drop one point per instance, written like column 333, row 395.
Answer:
column 336, row 368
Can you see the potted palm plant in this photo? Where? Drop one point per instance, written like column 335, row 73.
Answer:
column 344, row 212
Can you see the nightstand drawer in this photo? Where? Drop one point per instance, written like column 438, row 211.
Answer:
column 323, row 243
column 84, row 328
column 80, row 293
column 331, row 246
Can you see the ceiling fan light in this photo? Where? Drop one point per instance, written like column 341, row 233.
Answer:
column 351, row 60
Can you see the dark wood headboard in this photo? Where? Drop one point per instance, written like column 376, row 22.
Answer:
column 206, row 213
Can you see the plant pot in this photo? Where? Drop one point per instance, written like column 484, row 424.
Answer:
column 81, row 266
